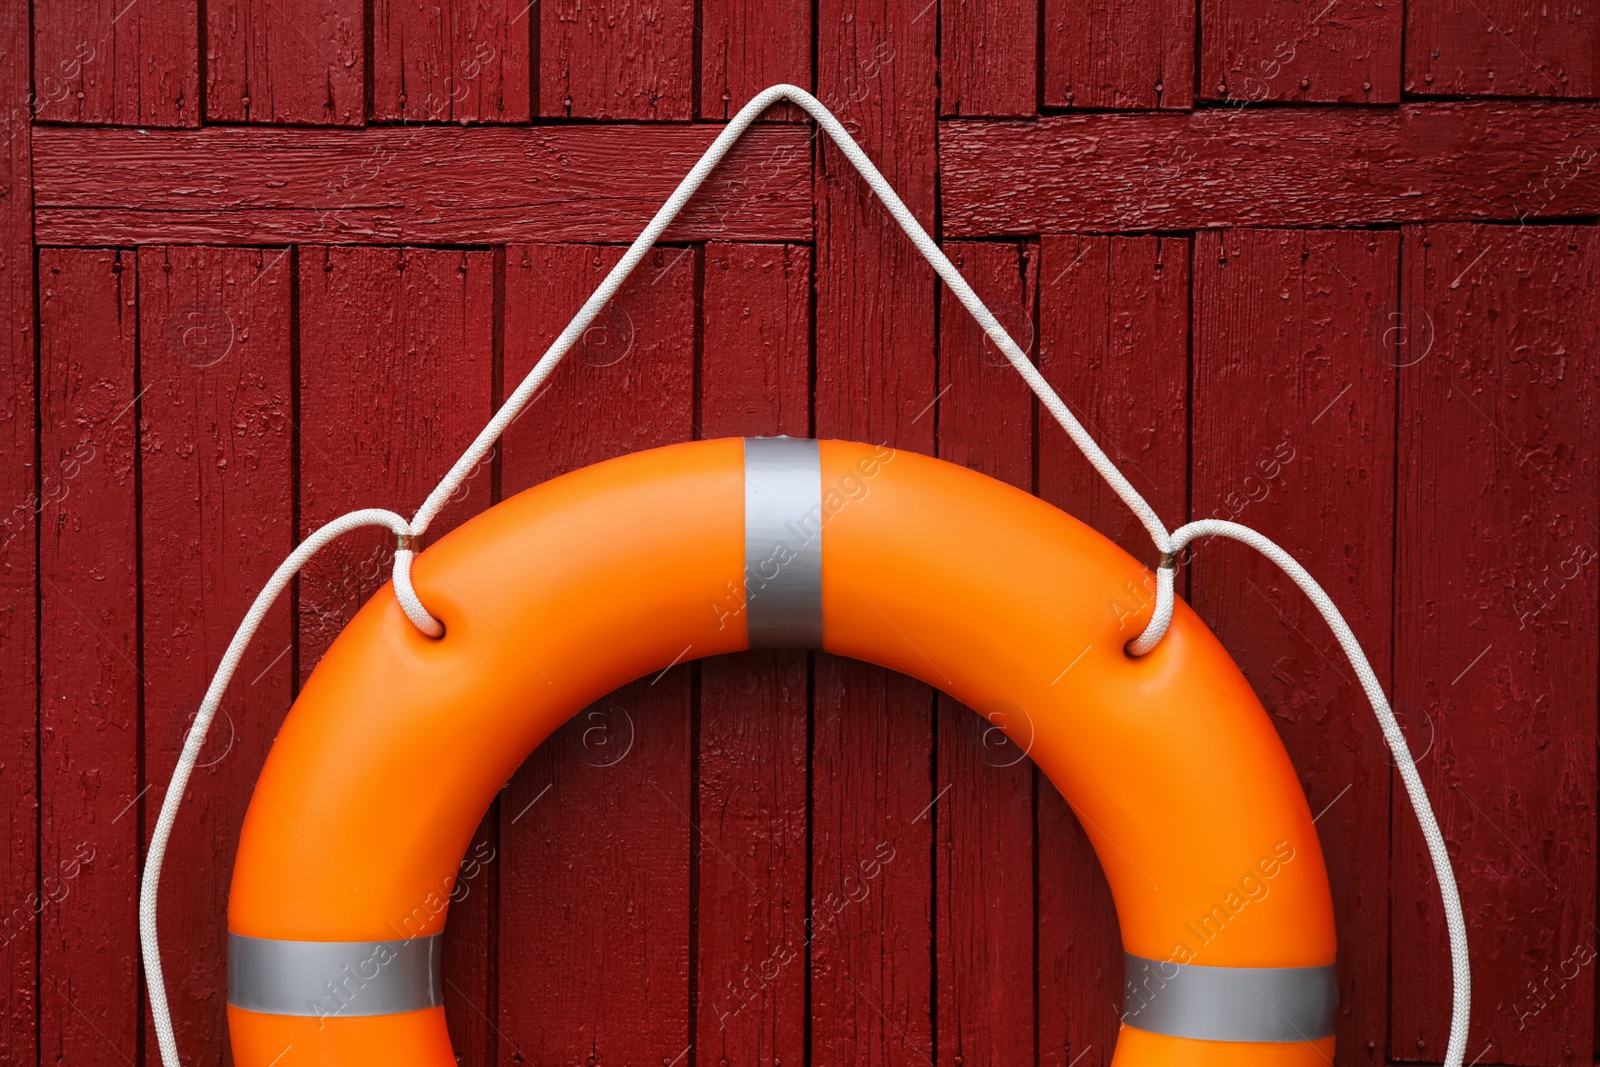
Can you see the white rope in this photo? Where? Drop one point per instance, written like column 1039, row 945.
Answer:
column 151, row 883
column 663, row 218
column 1455, row 921
column 1167, row 545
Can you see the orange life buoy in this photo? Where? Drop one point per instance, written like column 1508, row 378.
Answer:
column 551, row 599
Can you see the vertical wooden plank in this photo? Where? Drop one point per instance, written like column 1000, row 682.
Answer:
column 1338, row 51
column 1496, row 632
column 114, row 63
column 451, row 62
column 755, row 375
column 1105, row 54
column 217, row 516
column 1080, row 955
column 89, row 653
column 871, row 971
column 984, row 925
column 286, row 61
column 1501, row 48
column 613, row 60
column 470, row 949
column 754, row 718
column 396, row 373
column 1113, row 341
column 625, row 386
column 988, row 58
column 985, row 409
column 20, row 484
column 747, row 45
column 875, row 335
column 595, row 962
column 872, row 746
column 1293, row 433
column 396, row 379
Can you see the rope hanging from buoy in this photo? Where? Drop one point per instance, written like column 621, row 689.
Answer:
column 1167, row 544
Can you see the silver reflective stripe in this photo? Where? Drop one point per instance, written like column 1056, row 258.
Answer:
column 783, row 542
column 332, row 978
column 1230, row 1003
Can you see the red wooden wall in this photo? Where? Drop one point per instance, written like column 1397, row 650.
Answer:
column 1330, row 268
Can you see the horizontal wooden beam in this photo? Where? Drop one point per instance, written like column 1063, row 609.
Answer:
column 1103, row 172
column 422, row 185
column 1231, row 166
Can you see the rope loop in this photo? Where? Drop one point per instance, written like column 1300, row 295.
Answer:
column 150, row 883
column 608, row 287
column 1455, row 920
column 405, row 551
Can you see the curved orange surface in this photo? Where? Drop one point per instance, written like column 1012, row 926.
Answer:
column 561, row 594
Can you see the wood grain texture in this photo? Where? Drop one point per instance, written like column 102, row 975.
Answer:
column 755, row 373
column 875, row 334
column 1495, row 620
column 750, row 909
column 1105, row 54
column 616, row 59
column 111, row 62
column 871, row 919
column 754, row 709
column 418, row 185
column 988, row 58
column 1080, row 962
column 89, row 656
column 1249, row 167
column 747, row 45
column 1348, row 52
column 286, row 61
column 20, row 485
column 434, row 61
column 1114, row 342
column 414, row 327
column 595, row 903
column 626, row 385
column 1501, row 48
column 1293, row 433
column 872, row 745
column 217, row 505
column 984, row 915
column 985, row 410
